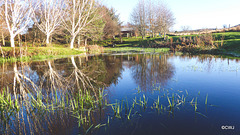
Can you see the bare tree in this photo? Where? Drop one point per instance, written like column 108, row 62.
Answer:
column 3, row 29
column 78, row 14
column 139, row 18
column 17, row 14
column 47, row 16
column 95, row 29
column 165, row 19
column 153, row 15
column 185, row 28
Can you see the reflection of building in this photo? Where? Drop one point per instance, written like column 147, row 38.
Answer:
column 127, row 32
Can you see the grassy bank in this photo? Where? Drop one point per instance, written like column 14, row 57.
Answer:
column 9, row 54
column 137, row 49
column 36, row 53
column 231, row 42
column 227, row 43
column 131, row 42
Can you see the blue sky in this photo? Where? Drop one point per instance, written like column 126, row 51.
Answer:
column 196, row 14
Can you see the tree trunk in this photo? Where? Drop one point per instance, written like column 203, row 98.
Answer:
column 79, row 41
column 73, row 62
column 50, row 39
column 20, row 45
column 3, row 39
column 34, row 38
column 26, row 40
column 47, row 41
column 85, row 42
column 12, row 41
column 1, row 51
column 72, row 42
column 19, row 41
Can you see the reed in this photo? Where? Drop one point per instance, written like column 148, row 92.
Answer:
column 144, row 101
column 129, row 114
column 83, row 104
column 186, row 92
column 170, row 104
column 116, row 109
column 206, row 100
column 133, row 104
column 157, row 103
column 195, row 108
column 173, row 103
column 138, row 90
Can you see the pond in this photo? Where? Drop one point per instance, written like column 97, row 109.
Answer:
column 116, row 94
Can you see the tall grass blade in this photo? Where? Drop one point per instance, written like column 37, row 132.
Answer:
column 206, row 99
column 170, row 105
column 196, row 104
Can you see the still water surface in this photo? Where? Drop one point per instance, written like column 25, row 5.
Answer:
column 187, row 81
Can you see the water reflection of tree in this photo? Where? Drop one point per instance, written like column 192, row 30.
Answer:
column 103, row 69
column 52, row 79
column 80, row 79
column 57, row 75
column 112, row 67
column 150, row 69
column 37, row 121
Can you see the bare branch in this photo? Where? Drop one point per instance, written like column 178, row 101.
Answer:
column 79, row 13
column 17, row 14
column 47, row 15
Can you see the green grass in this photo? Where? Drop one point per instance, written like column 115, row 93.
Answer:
column 130, row 42
column 231, row 41
column 224, row 43
column 136, row 49
column 37, row 53
column 227, row 43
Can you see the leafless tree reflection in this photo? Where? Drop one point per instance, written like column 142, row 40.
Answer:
column 151, row 69
column 22, row 83
column 52, row 80
column 82, row 80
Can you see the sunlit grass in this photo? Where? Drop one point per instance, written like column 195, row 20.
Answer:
column 137, row 49
column 36, row 53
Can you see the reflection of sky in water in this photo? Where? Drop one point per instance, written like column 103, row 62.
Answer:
column 218, row 78
column 125, row 86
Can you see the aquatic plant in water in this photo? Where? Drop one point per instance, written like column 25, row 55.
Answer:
column 85, row 105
